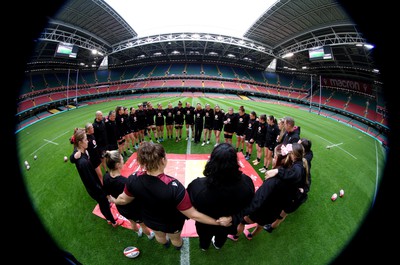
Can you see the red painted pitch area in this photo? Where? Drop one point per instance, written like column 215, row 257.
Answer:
column 185, row 168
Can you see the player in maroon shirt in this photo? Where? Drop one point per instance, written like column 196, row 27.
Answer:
column 164, row 200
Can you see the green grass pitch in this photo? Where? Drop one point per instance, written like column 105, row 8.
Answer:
column 315, row 234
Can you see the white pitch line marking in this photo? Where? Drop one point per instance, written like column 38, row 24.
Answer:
column 185, row 254
column 338, row 147
column 48, row 143
column 189, row 143
column 51, row 142
column 333, row 145
column 377, row 174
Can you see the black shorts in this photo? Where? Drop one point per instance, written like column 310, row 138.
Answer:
column 260, row 220
column 299, row 199
column 130, row 212
column 265, row 217
column 248, row 141
column 141, row 127
column 179, row 122
column 240, row 132
column 112, row 147
column 218, row 127
column 149, row 124
column 178, row 126
column 228, row 136
column 270, row 145
column 101, row 150
column 208, row 126
column 261, row 144
column 166, row 228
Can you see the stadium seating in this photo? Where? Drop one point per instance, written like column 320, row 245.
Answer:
column 51, row 88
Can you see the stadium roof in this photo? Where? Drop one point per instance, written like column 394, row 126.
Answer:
column 287, row 27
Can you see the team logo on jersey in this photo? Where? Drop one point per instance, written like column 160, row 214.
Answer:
column 174, row 184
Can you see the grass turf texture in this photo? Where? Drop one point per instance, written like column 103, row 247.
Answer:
column 314, row 234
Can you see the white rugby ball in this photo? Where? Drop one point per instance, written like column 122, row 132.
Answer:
column 65, row 159
column 131, row 252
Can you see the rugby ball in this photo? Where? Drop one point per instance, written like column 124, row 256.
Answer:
column 65, row 159
column 131, row 252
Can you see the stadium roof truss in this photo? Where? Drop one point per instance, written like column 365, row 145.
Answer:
column 197, row 47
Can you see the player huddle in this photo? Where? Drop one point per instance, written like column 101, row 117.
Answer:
column 223, row 201
column 126, row 128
